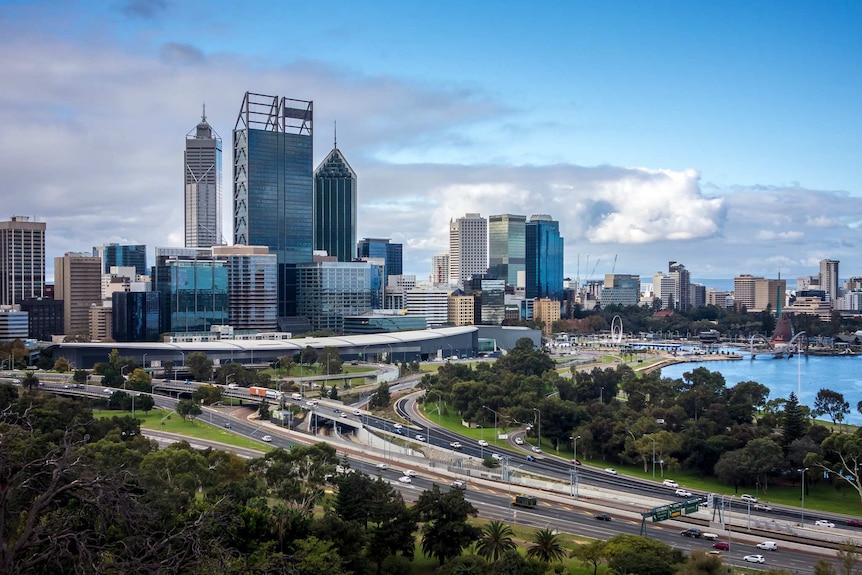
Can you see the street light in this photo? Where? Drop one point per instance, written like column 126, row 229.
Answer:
column 653, row 457
column 539, row 428
column 123, row 375
column 495, row 421
column 575, row 477
column 802, row 519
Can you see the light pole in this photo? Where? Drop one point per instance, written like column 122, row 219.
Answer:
column 123, row 375
column 653, row 457
column 145, row 362
column 802, row 519
column 495, row 421
column 575, row 468
column 539, row 428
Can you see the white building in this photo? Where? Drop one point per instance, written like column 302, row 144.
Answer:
column 432, row 304
column 468, row 248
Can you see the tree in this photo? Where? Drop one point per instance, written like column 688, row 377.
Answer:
column 848, row 557
column 634, row 554
column 80, row 376
column 794, row 423
column 333, row 392
column 330, row 360
column 187, row 408
column 496, row 539
column 590, row 553
column 140, row 380
column 200, row 366
column 445, row 532
column 546, row 546
column 208, row 394
column 62, row 365
column 308, row 356
column 831, row 403
column 286, row 363
column 381, row 397
column 145, row 403
column 314, row 556
column 30, row 380
column 841, row 454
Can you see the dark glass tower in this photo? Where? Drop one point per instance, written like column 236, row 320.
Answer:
column 391, row 254
column 135, row 316
column 273, row 186
column 133, row 256
column 544, row 258
column 335, row 206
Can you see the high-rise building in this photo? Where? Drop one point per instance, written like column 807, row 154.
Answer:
column 78, row 282
column 490, row 294
column 681, row 285
column 468, row 248
column 203, row 195
column 329, row 291
column 543, row 258
column 135, row 316
column 381, row 248
column 193, row 289
column 621, row 289
column 22, row 260
column 440, row 269
column 123, row 256
column 506, row 247
column 273, row 185
column 45, row 317
column 756, row 294
column 829, row 278
column 335, row 206
column 251, row 287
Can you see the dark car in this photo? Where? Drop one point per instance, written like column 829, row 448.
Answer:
column 692, row 532
column 854, row 522
column 227, row 424
column 603, row 517
column 530, row 458
column 721, row 545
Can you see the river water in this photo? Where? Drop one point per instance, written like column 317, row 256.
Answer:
column 782, row 376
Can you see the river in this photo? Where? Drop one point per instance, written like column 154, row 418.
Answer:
column 782, row 376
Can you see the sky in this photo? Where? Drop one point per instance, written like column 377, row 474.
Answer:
column 721, row 135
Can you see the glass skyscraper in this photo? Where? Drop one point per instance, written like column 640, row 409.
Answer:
column 506, row 246
column 335, row 207
column 273, row 185
column 133, row 256
column 193, row 290
column 203, row 193
column 380, row 248
column 543, row 258
column 135, row 316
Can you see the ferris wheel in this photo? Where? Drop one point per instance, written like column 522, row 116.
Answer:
column 617, row 330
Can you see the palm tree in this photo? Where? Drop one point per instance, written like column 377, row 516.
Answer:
column 546, row 547
column 496, row 539
column 30, row 380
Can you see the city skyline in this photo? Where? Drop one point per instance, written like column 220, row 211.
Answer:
column 721, row 137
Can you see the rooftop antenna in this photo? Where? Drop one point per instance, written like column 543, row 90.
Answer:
column 335, row 135
column 204, row 114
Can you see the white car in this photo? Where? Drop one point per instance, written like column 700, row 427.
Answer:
column 768, row 546
column 107, row 390
column 823, row 523
column 519, row 441
column 420, row 437
column 536, row 449
column 455, row 445
column 496, row 457
column 670, row 483
column 405, row 479
column 266, row 438
column 410, row 473
column 710, row 536
column 611, row 470
column 357, row 412
column 762, row 507
column 748, row 498
column 683, row 493
column 754, row 559
column 383, row 466
column 483, row 443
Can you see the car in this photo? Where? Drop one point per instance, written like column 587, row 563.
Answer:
column 768, row 546
column 710, row 536
column 227, row 424
column 458, row 484
column 419, row 437
column 670, row 483
column 754, row 559
column 576, row 461
column 762, row 507
column 266, row 438
column 382, row 466
column 682, row 493
column 603, row 517
column 410, row 473
column 721, row 545
column 107, row 390
column 536, row 449
column 611, row 471
column 496, row 457
column 483, row 443
column 713, row 552
column 455, row 445
column 188, row 382
column 530, row 458
column 357, row 412
column 67, row 386
column 166, row 380
column 232, row 386
column 692, row 532
column 748, row 498
column 519, row 441
column 343, row 415
column 311, row 403
column 823, row 523
column 854, row 522
column 336, row 411
column 405, row 479
column 397, row 426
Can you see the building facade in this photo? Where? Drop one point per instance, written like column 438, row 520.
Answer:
column 829, row 279
column 78, row 282
column 543, row 258
column 681, row 285
column 252, row 281
column 462, row 309
column 381, row 248
column 123, row 256
column 468, row 248
column 45, row 317
column 548, row 312
column 621, row 289
column 757, row 294
column 22, row 260
column 506, row 246
column 135, row 316
column 193, row 290
column 14, row 324
column 329, row 291
column 273, row 185
column 490, row 299
column 101, row 324
column 203, row 186
column 335, row 207
column 440, row 269
column 432, row 304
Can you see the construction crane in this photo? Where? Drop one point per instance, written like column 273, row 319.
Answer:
column 593, row 273
column 614, row 268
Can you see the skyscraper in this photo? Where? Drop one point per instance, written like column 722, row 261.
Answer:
column 829, row 278
column 123, row 256
column 381, row 248
column 78, row 282
column 273, row 187
column 681, row 285
column 543, row 258
column 203, row 186
column 506, row 246
column 22, row 260
column 193, row 289
column 468, row 248
column 251, row 286
column 335, row 206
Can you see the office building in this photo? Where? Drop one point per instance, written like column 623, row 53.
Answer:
column 462, row 308
column 44, row 316
column 78, row 283
column 381, row 248
column 621, row 289
column 252, row 275
column 135, row 316
column 440, row 269
column 543, row 258
column 328, row 291
column 681, row 285
column 193, row 289
column 22, row 260
column 123, row 256
column 546, row 311
column 273, row 185
column 506, row 246
column 432, row 304
column 468, row 248
column 829, row 278
column 335, row 207
column 14, row 323
column 376, row 322
column 756, row 294
column 101, row 324
column 203, row 191
column 490, row 299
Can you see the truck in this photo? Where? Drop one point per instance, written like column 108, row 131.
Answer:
column 265, row 392
column 527, row 501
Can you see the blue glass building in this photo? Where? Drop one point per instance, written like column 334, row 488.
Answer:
column 132, row 256
column 380, row 248
column 506, row 246
column 543, row 258
column 273, row 185
column 335, row 207
column 194, row 291
column 135, row 316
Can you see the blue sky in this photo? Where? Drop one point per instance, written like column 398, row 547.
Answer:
column 724, row 135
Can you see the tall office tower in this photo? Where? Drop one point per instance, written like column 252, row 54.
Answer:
column 379, row 248
column 122, row 256
column 335, row 206
column 506, row 247
column 621, row 289
column 681, row 285
column 329, row 291
column 203, row 186
column 440, row 269
column 756, row 294
column 135, row 316
column 22, row 260
column 490, row 294
column 829, row 278
column 78, row 282
column 543, row 258
column 251, row 279
column 193, row 289
column 468, row 248
column 273, row 185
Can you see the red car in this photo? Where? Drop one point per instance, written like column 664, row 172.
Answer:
column 721, row 545
column 854, row 522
